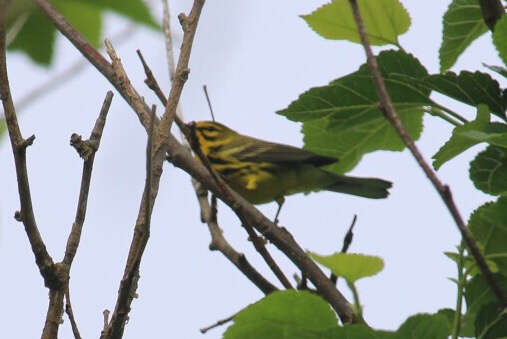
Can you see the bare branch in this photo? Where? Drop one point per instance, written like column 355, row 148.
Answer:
column 445, row 192
column 19, row 145
column 70, row 314
column 347, row 240
column 219, row 243
column 218, row 323
column 86, row 150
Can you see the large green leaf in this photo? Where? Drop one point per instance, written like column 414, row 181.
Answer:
column 470, row 134
column 36, row 38
column 500, row 38
column 463, row 24
column 488, row 170
column 343, row 119
column 491, row 322
column 84, row 18
column 296, row 315
column 470, row 88
column 384, row 21
column 425, row 326
column 478, row 296
column 350, row 266
column 284, row 314
column 488, row 224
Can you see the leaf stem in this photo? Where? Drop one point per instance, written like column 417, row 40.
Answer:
column 437, row 112
column 459, row 298
column 357, row 304
column 450, row 112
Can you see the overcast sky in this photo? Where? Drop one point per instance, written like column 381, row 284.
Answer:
column 256, row 57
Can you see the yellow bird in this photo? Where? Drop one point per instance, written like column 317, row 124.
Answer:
column 263, row 171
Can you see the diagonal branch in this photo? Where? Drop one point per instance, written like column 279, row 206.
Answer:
column 86, row 150
column 445, row 192
column 19, row 145
column 219, row 243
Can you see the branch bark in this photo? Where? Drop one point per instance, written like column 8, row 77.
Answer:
column 444, row 191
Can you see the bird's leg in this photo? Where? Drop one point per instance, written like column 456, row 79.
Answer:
column 280, row 202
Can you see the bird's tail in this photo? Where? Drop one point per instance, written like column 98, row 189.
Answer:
column 365, row 187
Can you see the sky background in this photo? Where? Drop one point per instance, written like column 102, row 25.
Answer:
column 255, row 57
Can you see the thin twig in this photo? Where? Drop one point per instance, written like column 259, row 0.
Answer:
column 219, row 243
column 444, row 190
column 19, row 145
column 129, row 282
column 168, row 36
column 347, row 240
column 260, row 245
column 205, row 89
column 70, row 314
column 86, row 150
column 218, row 323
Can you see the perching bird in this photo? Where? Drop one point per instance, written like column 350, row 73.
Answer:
column 263, row 171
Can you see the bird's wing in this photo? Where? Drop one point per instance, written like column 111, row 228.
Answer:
column 257, row 150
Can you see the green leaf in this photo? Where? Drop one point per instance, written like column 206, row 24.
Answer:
column 478, row 294
column 343, row 120
column 352, row 267
column 463, row 23
column 500, row 38
column 18, row 8
column 84, row 18
column 467, row 329
column 470, row 134
column 488, row 224
column 424, row 326
column 384, row 21
column 470, row 88
column 284, row 314
column 36, row 38
column 491, row 323
column 135, row 10
column 499, row 69
column 488, row 170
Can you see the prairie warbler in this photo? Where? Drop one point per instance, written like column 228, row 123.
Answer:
column 263, row 171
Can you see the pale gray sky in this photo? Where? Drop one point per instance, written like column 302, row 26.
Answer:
column 256, row 57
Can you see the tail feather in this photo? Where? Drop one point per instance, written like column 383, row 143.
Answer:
column 365, row 187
